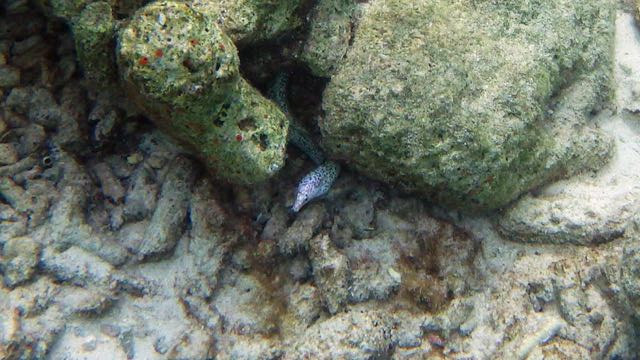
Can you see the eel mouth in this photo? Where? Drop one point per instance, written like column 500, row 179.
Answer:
column 298, row 204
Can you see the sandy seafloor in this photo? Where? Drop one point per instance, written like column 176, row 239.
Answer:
column 366, row 273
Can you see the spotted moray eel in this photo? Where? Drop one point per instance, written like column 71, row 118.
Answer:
column 318, row 182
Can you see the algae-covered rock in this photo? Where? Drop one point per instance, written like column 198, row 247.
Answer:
column 249, row 21
column 94, row 33
column 182, row 71
column 329, row 35
column 70, row 10
column 65, row 9
column 94, row 26
column 464, row 101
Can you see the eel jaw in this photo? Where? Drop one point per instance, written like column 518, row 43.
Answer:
column 301, row 200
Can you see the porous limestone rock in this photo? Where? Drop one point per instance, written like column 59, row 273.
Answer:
column 471, row 103
column 593, row 207
column 182, row 71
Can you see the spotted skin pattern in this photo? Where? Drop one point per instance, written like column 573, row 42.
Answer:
column 318, row 182
column 300, row 138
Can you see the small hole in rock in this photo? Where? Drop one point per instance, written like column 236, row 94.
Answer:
column 261, row 140
column 224, row 108
column 218, row 122
column 189, row 65
column 247, row 124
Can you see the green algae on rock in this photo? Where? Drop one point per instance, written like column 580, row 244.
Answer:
column 453, row 99
column 329, row 35
column 250, row 21
column 69, row 10
column 94, row 33
column 94, row 27
column 182, row 71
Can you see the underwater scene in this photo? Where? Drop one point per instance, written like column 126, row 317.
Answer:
column 320, row 179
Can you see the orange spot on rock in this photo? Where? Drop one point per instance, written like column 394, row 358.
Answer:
column 143, row 60
column 159, row 53
column 239, row 137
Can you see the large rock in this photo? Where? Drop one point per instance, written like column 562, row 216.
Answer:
column 592, row 208
column 472, row 103
column 182, row 71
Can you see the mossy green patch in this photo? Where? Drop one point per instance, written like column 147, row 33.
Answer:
column 66, row 9
column 69, row 10
column 94, row 35
column 452, row 99
column 249, row 21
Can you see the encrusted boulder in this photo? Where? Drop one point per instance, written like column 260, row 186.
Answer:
column 182, row 71
column 250, row 21
column 168, row 60
column 472, row 103
column 592, row 208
